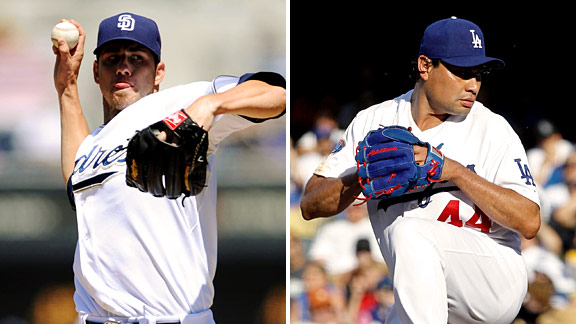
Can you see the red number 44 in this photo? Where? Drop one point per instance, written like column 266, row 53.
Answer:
column 479, row 220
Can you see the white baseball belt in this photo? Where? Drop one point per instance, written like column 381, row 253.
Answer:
column 204, row 317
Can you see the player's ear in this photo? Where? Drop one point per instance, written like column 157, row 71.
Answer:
column 95, row 72
column 424, row 65
column 160, row 71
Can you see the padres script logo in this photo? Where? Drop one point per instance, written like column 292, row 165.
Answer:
column 126, row 22
column 98, row 158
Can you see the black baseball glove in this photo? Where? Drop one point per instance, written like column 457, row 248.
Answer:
column 168, row 168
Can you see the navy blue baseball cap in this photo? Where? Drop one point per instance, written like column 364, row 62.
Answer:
column 130, row 27
column 458, row 42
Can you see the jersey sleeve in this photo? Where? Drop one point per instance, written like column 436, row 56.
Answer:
column 226, row 82
column 513, row 172
column 227, row 124
column 271, row 78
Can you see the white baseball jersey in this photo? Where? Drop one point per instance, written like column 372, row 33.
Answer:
column 482, row 140
column 471, row 272
column 138, row 254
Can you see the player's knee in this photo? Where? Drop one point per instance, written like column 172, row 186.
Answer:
column 497, row 313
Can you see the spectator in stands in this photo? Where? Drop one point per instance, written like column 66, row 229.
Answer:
column 549, row 154
column 537, row 308
column 362, row 285
column 325, row 126
column 320, row 301
column 562, row 197
column 540, row 260
column 298, row 263
column 385, row 298
column 334, row 245
column 308, row 162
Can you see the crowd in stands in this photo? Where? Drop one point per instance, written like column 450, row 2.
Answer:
column 338, row 276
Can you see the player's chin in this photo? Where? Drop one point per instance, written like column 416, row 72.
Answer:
column 122, row 99
column 461, row 110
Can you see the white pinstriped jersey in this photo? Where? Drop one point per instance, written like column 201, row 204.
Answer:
column 482, row 140
column 138, row 254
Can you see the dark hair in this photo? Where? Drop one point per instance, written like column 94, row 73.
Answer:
column 362, row 245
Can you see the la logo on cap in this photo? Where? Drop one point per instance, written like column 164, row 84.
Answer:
column 126, row 22
column 476, row 41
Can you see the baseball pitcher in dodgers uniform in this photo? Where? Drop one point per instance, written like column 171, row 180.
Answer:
column 141, row 258
column 449, row 232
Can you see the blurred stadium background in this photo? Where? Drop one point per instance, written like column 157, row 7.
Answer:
column 201, row 39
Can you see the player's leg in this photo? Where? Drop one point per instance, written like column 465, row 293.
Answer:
column 447, row 274
column 486, row 282
column 417, row 271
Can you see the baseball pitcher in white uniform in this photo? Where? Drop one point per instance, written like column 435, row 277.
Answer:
column 452, row 248
column 141, row 258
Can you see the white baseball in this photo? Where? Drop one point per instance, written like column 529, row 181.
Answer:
column 67, row 31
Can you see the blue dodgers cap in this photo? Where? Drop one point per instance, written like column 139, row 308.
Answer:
column 130, row 27
column 458, row 42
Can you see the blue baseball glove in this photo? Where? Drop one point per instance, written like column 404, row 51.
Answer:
column 386, row 166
